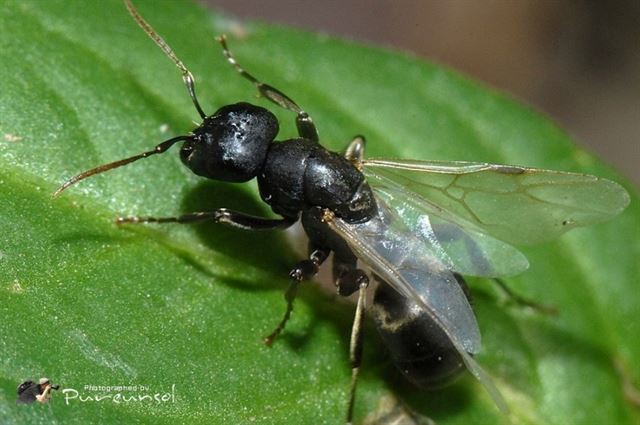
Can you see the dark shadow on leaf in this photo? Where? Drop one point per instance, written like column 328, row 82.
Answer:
column 438, row 403
column 94, row 242
column 266, row 250
column 298, row 340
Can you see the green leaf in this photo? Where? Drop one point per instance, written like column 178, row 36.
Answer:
column 85, row 302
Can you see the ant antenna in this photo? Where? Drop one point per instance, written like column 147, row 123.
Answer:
column 187, row 77
column 162, row 147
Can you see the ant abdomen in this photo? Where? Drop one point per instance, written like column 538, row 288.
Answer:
column 418, row 346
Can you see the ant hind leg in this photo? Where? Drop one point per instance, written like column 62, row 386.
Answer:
column 349, row 279
column 522, row 301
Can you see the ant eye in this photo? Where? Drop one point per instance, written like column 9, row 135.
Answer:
column 185, row 152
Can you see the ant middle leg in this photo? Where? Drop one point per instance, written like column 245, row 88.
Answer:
column 304, row 123
column 304, row 270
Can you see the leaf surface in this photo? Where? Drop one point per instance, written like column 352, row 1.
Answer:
column 84, row 302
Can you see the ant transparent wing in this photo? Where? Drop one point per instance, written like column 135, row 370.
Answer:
column 407, row 262
column 516, row 205
column 462, row 247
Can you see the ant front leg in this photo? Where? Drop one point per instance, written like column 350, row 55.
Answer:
column 222, row 215
column 304, row 270
column 304, row 123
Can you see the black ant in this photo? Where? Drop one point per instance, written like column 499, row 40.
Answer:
column 409, row 221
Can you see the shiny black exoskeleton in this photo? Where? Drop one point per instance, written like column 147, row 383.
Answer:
column 236, row 144
column 299, row 174
column 299, row 179
column 232, row 144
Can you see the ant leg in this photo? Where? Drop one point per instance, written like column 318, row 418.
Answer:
column 523, row 301
column 187, row 77
column 346, row 275
column 304, row 270
column 349, row 279
column 355, row 346
column 304, row 123
column 232, row 218
column 355, row 150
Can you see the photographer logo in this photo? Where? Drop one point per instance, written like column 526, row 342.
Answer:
column 41, row 391
column 31, row 392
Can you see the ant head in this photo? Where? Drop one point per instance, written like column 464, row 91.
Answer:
column 231, row 145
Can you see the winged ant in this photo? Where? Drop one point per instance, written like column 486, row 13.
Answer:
column 418, row 225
